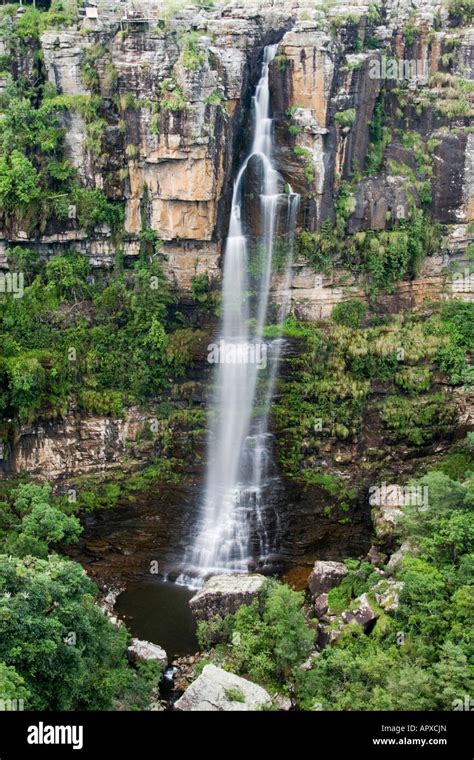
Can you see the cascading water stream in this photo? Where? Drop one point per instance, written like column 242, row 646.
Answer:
column 233, row 532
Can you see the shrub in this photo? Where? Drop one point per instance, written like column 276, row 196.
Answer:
column 270, row 636
column 19, row 181
column 74, row 658
column 462, row 11
column 345, row 118
column 191, row 56
column 431, row 670
column 108, row 403
column 349, row 313
column 94, row 209
column 418, row 420
column 234, row 695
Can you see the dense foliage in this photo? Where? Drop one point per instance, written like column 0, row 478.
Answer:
column 102, row 343
column 330, row 388
column 266, row 639
column 58, row 651
column 386, row 257
column 419, row 658
column 417, row 655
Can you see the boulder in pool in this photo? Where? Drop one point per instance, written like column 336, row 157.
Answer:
column 224, row 594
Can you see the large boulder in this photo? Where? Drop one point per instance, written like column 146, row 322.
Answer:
column 361, row 612
column 216, row 690
column 144, row 650
column 325, row 576
column 224, row 594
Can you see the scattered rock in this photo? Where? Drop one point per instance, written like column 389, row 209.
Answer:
column 361, row 612
column 107, row 604
column 309, row 662
column 224, row 594
column 145, row 650
column 396, row 559
column 376, row 557
column 216, row 690
column 325, row 576
column 384, row 517
column 282, row 702
column 320, row 606
column 387, row 594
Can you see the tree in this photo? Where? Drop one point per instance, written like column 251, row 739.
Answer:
column 19, row 181
column 64, row 651
column 270, row 636
column 12, row 686
column 41, row 523
column 68, row 275
column 444, row 528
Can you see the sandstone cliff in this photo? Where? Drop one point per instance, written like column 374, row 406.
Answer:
column 156, row 113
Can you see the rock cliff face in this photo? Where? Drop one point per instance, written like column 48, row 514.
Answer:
column 76, row 444
column 157, row 115
column 171, row 102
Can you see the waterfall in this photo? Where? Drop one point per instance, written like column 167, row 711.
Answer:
column 234, row 532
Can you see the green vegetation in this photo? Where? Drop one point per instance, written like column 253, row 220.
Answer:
column 416, row 420
column 349, row 313
column 38, row 185
column 345, row 118
column 330, row 387
column 264, row 640
column 215, row 99
column 58, row 651
column 306, row 154
column 281, row 62
column 380, row 137
column 417, row 655
column 191, row 56
column 29, row 523
column 386, row 256
column 105, row 344
column 235, row 695
column 462, row 11
column 172, row 98
column 416, row 658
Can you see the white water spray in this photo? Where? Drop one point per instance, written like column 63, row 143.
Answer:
column 233, row 533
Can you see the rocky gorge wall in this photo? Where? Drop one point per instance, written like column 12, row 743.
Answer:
column 156, row 117
column 171, row 99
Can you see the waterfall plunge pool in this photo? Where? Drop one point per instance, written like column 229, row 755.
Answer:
column 159, row 612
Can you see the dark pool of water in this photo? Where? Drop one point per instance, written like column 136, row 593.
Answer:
column 159, row 612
